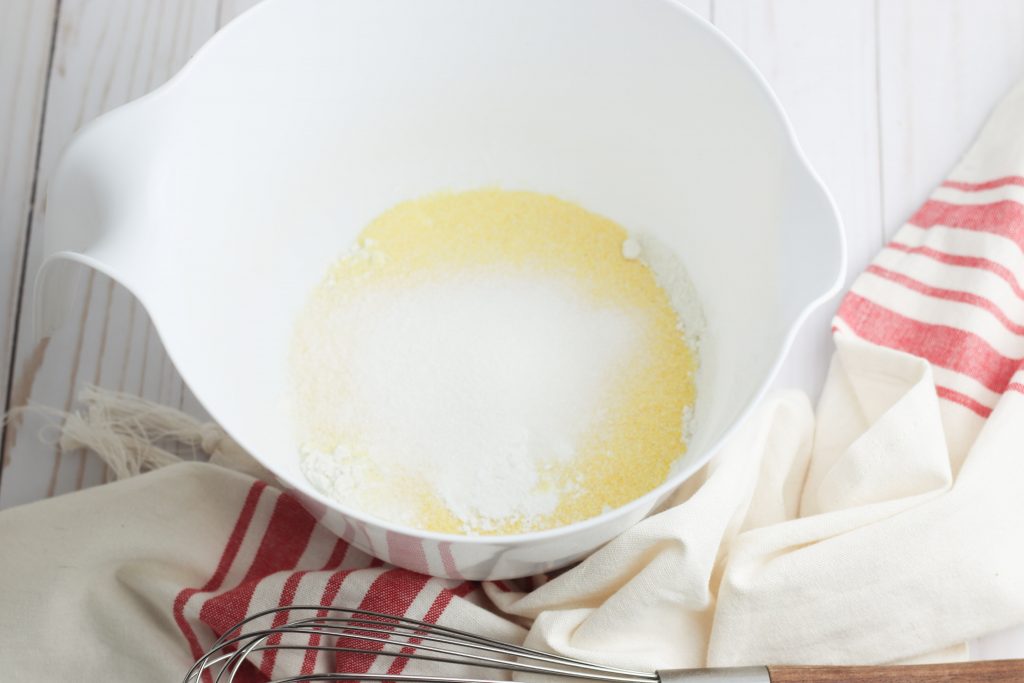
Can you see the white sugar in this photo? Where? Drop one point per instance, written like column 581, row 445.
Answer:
column 474, row 383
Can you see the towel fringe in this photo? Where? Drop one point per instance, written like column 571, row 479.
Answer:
column 132, row 435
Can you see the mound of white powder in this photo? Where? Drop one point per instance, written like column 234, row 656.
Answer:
column 475, row 381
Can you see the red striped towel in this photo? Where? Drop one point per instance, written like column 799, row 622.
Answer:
column 948, row 289
column 950, row 286
column 277, row 555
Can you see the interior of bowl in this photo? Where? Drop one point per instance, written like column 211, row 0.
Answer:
column 305, row 119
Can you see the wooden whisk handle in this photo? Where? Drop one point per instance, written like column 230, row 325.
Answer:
column 1001, row 671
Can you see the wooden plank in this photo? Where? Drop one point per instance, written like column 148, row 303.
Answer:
column 820, row 60
column 107, row 53
column 943, row 66
column 26, row 36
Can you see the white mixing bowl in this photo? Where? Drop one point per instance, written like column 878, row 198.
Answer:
column 220, row 199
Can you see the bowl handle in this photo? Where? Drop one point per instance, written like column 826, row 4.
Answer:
column 99, row 187
column 814, row 248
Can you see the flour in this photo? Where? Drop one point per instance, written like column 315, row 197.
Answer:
column 631, row 250
column 495, row 362
column 473, row 382
column 672, row 277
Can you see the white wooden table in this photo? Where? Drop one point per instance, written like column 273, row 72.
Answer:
column 884, row 96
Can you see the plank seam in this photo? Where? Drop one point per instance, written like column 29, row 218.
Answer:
column 878, row 122
column 23, row 261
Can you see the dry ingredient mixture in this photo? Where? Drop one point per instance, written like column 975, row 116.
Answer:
column 493, row 362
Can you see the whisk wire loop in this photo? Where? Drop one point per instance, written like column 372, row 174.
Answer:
column 397, row 638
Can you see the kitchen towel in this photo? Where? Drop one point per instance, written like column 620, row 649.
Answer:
column 885, row 527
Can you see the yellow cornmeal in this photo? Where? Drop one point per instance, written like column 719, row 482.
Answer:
column 632, row 449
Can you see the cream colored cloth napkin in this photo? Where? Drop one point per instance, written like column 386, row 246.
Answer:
column 850, row 538
column 887, row 527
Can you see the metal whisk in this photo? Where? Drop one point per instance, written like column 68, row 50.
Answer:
column 358, row 633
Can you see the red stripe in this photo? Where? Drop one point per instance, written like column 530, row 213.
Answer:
column 280, row 619
column 964, row 400
column 947, row 295
column 338, row 554
column 393, row 592
column 227, row 557
column 947, row 347
column 288, row 598
column 437, row 608
column 966, row 261
column 341, row 547
column 448, row 560
column 1004, row 218
column 406, row 552
column 280, row 549
column 331, row 589
column 987, row 185
column 1015, row 386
